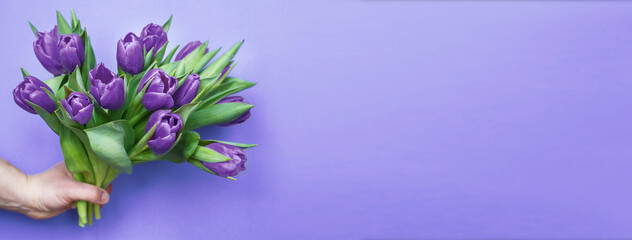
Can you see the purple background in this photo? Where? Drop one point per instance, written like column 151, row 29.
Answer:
column 375, row 119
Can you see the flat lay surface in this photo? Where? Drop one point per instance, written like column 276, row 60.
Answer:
column 374, row 119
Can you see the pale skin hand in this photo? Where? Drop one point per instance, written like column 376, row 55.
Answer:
column 47, row 194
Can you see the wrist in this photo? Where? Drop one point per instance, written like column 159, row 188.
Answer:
column 16, row 194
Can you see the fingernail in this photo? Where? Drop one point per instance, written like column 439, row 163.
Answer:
column 104, row 196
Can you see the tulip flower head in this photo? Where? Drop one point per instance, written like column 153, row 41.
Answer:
column 187, row 92
column 159, row 93
column 78, row 106
column 71, row 51
column 129, row 54
column 31, row 89
column 45, row 47
column 167, row 128
column 228, row 168
column 107, row 88
column 153, row 36
column 241, row 118
column 188, row 49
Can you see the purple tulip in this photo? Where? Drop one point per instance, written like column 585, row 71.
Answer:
column 107, row 88
column 187, row 92
column 45, row 48
column 153, row 36
column 129, row 54
column 159, row 93
column 169, row 124
column 188, row 49
column 79, row 107
column 231, row 167
column 71, row 51
column 241, row 118
column 31, row 89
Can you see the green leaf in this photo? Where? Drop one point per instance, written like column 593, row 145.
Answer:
column 167, row 24
column 186, row 110
column 191, row 60
column 216, row 67
column 216, row 114
column 132, row 87
column 184, row 149
column 145, row 156
column 73, row 19
column 75, row 155
column 75, row 81
column 77, row 29
column 51, row 120
column 199, row 165
column 148, row 58
column 141, row 145
column 109, row 142
column 229, row 86
column 99, row 115
column 240, row 145
column 139, row 128
column 204, row 60
column 168, row 58
column 161, row 53
column 33, row 28
column 55, row 83
column 170, row 68
column 89, row 62
column 24, row 73
column 62, row 25
column 180, row 70
column 209, row 84
column 205, row 154
column 136, row 106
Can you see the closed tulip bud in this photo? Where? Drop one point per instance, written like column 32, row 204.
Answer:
column 169, row 124
column 71, row 51
column 187, row 92
column 153, row 36
column 78, row 106
column 241, row 118
column 107, row 88
column 45, row 48
column 188, row 49
column 31, row 90
column 129, row 54
column 228, row 168
column 159, row 93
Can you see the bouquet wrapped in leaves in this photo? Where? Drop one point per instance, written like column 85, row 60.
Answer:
column 108, row 122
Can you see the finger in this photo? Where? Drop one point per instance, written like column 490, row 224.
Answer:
column 87, row 192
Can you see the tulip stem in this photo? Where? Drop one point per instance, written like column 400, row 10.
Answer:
column 137, row 117
column 90, row 211
column 97, row 211
column 82, row 208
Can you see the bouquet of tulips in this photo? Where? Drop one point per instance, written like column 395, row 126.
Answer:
column 108, row 122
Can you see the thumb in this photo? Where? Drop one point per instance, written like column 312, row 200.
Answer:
column 87, row 192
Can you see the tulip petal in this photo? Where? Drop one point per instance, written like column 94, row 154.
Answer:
column 161, row 145
column 155, row 101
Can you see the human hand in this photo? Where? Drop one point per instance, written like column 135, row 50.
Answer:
column 52, row 192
